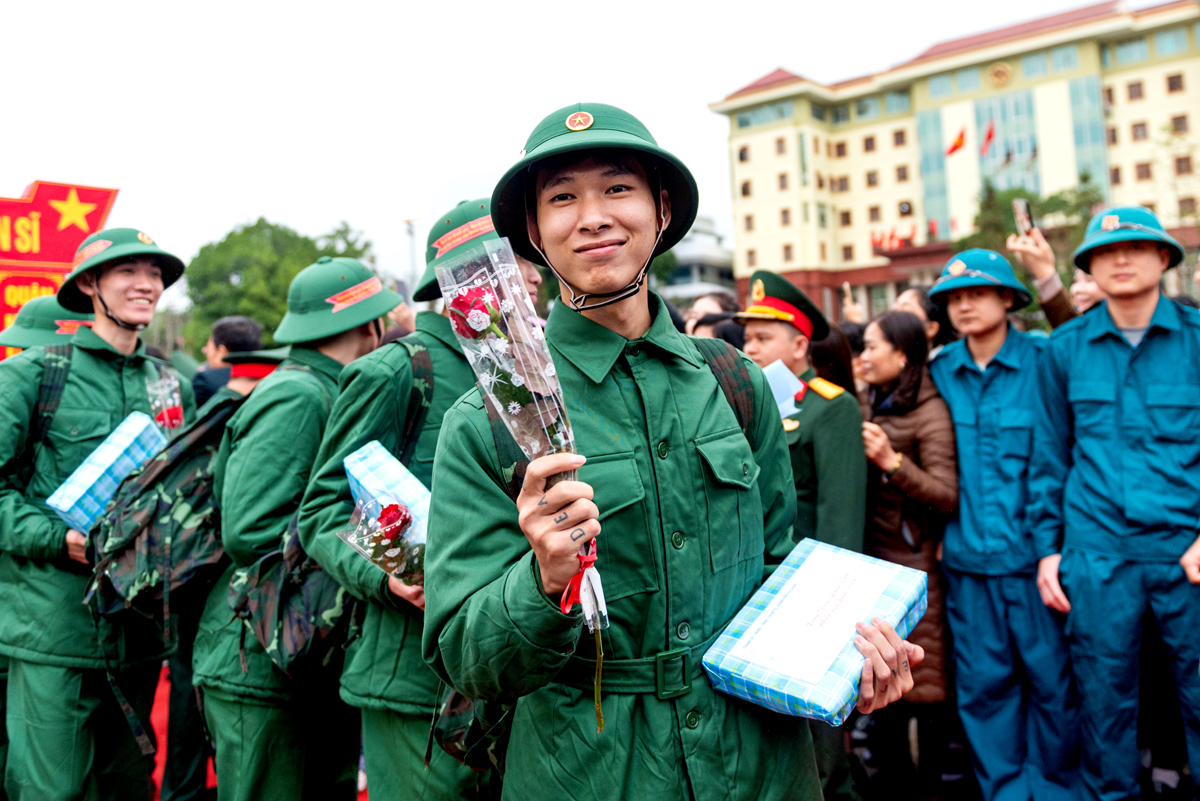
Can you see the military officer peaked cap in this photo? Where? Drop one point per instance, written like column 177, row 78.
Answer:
column 979, row 267
column 577, row 129
column 331, row 297
column 255, row 363
column 1124, row 224
column 773, row 297
column 467, row 224
column 42, row 321
column 108, row 245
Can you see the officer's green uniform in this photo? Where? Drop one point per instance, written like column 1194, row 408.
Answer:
column 829, row 467
column 68, row 737
column 693, row 519
column 278, row 738
column 385, row 675
column 42, row 321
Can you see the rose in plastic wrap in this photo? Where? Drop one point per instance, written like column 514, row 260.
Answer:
column 382, row 539
column 475, row 312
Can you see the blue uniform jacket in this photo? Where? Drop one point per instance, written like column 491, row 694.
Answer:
column 993, row 412
column 1116, row 470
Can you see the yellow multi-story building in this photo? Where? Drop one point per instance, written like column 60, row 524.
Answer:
column 868, row 180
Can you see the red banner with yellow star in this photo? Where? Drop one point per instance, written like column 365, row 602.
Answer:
column 39, row 234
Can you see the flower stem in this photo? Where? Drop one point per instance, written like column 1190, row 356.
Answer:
column 596, row 683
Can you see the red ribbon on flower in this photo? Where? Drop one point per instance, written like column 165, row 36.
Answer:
column 570, row 595
column 171, row 417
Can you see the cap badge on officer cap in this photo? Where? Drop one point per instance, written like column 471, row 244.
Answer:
column 144, row 238
column 757, row 292
column 956, row 267
column 1111, row 222
column 359, row 292
column 580, row 121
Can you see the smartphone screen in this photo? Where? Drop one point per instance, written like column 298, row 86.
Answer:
column 1022, row 216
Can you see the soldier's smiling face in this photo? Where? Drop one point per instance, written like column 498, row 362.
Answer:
column 130, row 287
column 596, row 220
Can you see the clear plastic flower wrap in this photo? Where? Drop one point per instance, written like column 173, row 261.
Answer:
column 382, row 530
column 166, row 401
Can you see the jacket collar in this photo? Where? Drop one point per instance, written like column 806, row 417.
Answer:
column 1100, row 324
column 438, row 327
column 594, row 349
column 317, row 361
column 88, row 339
column 959, row 353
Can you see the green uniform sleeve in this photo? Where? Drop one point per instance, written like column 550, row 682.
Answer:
column 775, row 485
column 841, row 465
column 490, row 629
column 277, row 434
column 25, row 529
column 368, row 408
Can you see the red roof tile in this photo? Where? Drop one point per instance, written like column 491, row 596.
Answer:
column 777, row 77
column 1041, row 25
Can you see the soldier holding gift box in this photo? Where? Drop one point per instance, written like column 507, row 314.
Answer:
column 69, row 736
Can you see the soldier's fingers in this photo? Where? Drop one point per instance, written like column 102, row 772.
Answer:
column 551, row 502
column 903, row 670
column 916, row 654
column 866, row 688
column 879, row 667
column 545, row 466
column 566, row 542
column 575, row 513
column 885, row 648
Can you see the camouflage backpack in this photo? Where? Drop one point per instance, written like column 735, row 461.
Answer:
column 476, row 732
column 298, row 613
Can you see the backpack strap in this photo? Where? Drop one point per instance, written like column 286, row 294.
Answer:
column 420, row 399
column 731, row 373
column 56, row 367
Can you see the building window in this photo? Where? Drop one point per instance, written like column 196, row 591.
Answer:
column 873, row 214
column 968, row 79
column 905, row 208
column 1112, row 136
column 785, row 216
column 1149, row 207
column 745, row 189
column 869, row 144
column 1114, row 176
column 1187, row 206
column 787, row 252
column 866, row 108
column 1033, row 65
column 1143, row 171
column 898, row 138
column 1132, row 51
column 1179, row 124
column 1175, row 83
column 783, row 180
column 841, row 113
column 818, row 112
column 901, row 174
column 1138, row 131
column 1108, row 95
column 1105, row 57
column 941, row 86
column 896, row 102
column 1064, row 58
column 840, row 150
column 765, row 114
column 1170, row 42
column 749, row 222
column 820, row 181
column 847, row 252
column 743, row 154
column 844, row 218
column 779, row 146
column 751, row 258
column 823, row 256
column 873, row 178
column 817, row 145
column 1183, row 165
column 840, row 185
column 1135, row 90
column 821, row 221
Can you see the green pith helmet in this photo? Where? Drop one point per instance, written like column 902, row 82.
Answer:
column 1124, row 224
column 332, row 296
column 579, row 128
column 773, row 297
column 469, row 221
column 979, row 267
column 42, row 321
column 108, row 245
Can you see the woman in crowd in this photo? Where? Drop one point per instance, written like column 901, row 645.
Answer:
column 938, row 332
column 833, row 359
column 911, row 488
column 712, row 303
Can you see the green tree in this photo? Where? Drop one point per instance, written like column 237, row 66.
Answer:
column 248, row 272
column 663, row 266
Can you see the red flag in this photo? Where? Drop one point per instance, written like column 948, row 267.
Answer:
column 988, row 137
column 958, row 143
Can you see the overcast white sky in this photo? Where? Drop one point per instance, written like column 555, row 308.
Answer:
column 208, row 115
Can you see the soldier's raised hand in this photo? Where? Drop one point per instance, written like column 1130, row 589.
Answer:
column 887, row 671
column 558, row 520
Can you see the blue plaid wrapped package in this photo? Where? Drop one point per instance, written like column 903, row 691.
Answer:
column 81, row 499
column 791, row 648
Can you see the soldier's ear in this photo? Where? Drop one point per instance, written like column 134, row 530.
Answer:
column 531, row 228
column 87, row 283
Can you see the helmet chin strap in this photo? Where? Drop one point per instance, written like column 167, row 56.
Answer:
column 108, row 312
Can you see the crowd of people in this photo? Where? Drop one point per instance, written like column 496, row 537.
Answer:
column 1047, row 485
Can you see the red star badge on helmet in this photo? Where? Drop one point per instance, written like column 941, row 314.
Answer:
column 580, row 121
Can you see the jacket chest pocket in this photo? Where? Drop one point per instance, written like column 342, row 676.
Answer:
column 1173, row 411
column 1016, row 432
column 73, row 435
column 1093, row 403
column 626, row 558
column 735, row 516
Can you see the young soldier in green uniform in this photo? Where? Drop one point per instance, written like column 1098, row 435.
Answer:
column 277, row 737
column 829, row 471
column 385, row 675
column 69, row 737
column 695, row 512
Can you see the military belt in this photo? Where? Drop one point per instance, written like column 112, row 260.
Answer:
column 667, row 675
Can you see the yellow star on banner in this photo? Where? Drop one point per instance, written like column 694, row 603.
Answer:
column 72, row 212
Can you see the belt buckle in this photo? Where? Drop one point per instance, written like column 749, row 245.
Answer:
column 660, row 673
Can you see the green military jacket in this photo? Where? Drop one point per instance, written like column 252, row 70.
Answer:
column 41, row 590
column 261, row 470
column 384, row 668
column 829, row 467
column 693, row 521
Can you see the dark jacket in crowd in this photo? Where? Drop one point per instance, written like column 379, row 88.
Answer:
column 207, row 381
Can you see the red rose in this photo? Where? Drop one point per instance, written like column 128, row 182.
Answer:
column 474, row 311
column 393, row 520
column 171, row 417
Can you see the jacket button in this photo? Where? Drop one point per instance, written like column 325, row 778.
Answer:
column 692, row 719
column 683, row 630
column 677, row 539
column 74, row 431
column 745, row 469
column 663, row 449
